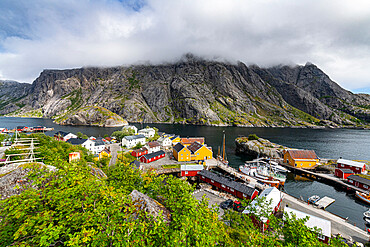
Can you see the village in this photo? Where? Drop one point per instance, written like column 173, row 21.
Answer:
column 191, row 159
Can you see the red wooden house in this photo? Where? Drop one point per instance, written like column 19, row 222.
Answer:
column 152, row 157
column 356, row 167
column 139, row 152
column 359, row 182
column 22, row 128
column 343, row 173
column 190, row 170
column 235, row 188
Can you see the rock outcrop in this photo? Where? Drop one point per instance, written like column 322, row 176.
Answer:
column 258, row 148
column 11, row 92
column 92, row 116
column 195, row 91
column 14, row 179
column 144, row 203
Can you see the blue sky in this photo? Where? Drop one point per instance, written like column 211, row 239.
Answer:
column 44, row 34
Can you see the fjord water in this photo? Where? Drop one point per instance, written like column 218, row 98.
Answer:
column 328, row 143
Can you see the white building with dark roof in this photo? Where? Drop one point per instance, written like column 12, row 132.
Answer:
column 132, row 141
column 147, row 132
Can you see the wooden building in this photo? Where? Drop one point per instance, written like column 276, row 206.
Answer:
column 193, row 152
column 301, row 158
column 313, row 221
column 190, row 170
column 190, row 140
column 356, row 167
column 343, row 173
column 235, row 188
column 139, row 152
column 272, row 195
column 152, row 157
column 359, row 182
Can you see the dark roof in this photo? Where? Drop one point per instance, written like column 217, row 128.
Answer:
column 360, row 179
column 136, row 164
column 346, row 170
column 99, row 142
column 155, row 154
column 140, row 150
column 230, row 183
column 302, row 154
column 76, row 141
column 61, row 133
column 38, row 127
column 134, row 137
column 178, row 147
column 195, row 146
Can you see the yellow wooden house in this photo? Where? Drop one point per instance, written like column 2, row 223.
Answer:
column 181, row 152
column 301, row 158
column 194, row 152
column 105, row 153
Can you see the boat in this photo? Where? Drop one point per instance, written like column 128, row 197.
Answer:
column 363, row 197
column 367, row 220
column 222, row 156
column 367, row 214
column 252, row 172
column 265, row 169
column 313, row 199
column 278, row 168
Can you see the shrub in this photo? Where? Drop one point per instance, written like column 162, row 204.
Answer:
column 252, row 137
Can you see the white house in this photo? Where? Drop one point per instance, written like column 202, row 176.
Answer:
column 132, row 141
column 99, row 145
column 64, row 136
column 153, row 147
column 130, row 127
column 86, row 143
column 147, row 132
column 165, row 142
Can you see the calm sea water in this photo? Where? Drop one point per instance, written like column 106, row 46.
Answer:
column 328, row 143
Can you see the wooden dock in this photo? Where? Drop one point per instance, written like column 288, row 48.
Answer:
column 324, row 178
column 324, row 202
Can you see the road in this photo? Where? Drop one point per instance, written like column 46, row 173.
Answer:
column 114, row 148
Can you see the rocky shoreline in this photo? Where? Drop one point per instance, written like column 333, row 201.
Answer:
column 258, row 147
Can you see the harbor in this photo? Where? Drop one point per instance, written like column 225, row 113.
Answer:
column 345, row 205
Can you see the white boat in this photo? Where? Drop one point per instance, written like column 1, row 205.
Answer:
column 367, row 214
column 278, row 168
column 313, row 199
column 265, row 169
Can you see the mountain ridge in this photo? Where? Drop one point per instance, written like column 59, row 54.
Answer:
column 196, row 91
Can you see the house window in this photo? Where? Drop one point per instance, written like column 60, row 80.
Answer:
column 197, row 153
column 366, row 187
column 301, row 164
column 186, row 172
column 223, row 186
column 232, row 190
column 310, row 164
column 212, row 181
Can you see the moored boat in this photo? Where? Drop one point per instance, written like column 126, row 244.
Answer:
column 313, row 199
column 363, row 197
column 264, row 180
column 367, row 214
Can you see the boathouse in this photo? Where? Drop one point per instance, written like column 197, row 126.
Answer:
column 301, row 158
column 343, row 173
column 235, row 188
column 312, row 222
column 139, row 152
column 272, row 195
column 360, row 182
column 152, row 157
column 190, row 170
column 22, row 128
column 356, row 167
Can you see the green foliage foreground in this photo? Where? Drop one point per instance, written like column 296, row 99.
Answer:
column 72, row 207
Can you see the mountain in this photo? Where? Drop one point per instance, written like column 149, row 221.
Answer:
column 11, row 92
column 195, row 91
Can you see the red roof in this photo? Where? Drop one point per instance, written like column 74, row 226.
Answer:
column 191, row 140
column 153, row 144
column 302, row 154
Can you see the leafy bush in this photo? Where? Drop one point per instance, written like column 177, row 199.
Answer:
column 252, row 137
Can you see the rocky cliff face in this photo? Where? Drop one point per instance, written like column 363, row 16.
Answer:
column 195, row 91
column 11, row 93
column 258, row 148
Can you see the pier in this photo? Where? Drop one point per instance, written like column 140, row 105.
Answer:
column 338, row 224
column 325, row 178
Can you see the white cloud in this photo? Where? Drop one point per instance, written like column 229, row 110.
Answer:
column 40, row 34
